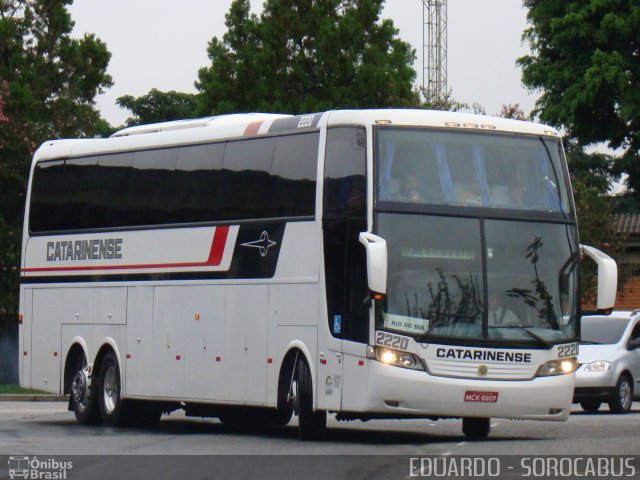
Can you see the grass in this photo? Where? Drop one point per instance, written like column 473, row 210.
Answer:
column 17, row 390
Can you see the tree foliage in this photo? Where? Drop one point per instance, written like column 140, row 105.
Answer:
column 591, row 176
column 585, row 62
column 157, row 106
column 513, row 111
column 48, row 82
column 446, row 102
column 594, row 170
column 307, row 55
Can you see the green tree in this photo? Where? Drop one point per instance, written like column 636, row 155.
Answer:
column 446, row 102
column 513, row 111
column 594, row 170
column 48, row 82
column 591, row 176
column 157, row 106
column 585, row 63
column 307, row 55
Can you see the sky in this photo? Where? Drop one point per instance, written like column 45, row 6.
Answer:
column 157, row 45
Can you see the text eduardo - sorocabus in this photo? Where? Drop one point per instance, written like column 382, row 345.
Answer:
column 96, row 249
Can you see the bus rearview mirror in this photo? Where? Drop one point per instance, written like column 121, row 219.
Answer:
column 607, row 277
column 376, row 248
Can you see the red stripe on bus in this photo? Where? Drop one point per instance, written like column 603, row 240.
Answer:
column 252, row 128
column 217, row 246
column 215, row 258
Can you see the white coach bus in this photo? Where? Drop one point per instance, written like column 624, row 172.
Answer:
column 371, row 264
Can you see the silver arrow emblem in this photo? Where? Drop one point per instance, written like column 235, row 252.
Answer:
column 264, row 244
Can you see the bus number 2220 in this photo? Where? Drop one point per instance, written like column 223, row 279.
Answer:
column 393, row 341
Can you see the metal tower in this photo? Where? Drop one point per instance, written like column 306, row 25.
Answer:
column 434, row 39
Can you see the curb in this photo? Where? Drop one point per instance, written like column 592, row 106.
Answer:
column 9, row 397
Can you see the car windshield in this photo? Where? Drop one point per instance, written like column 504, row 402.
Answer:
column 603, row 330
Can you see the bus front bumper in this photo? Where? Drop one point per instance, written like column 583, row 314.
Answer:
column 411, row 392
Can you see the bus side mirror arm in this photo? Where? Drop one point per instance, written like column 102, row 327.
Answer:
column 607, row 278
column 376, row 248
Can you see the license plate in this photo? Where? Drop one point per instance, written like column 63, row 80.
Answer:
column 481, row 397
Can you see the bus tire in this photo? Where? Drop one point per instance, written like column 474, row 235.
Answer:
column 623, row 396
column 311, row 424
column 82, row 395
column 114, row 410
column 476, row 428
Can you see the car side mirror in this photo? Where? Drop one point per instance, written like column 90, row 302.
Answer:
column 376, row 248
column 633, row 344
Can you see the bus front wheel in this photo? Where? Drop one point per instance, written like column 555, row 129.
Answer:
column 311, row 424
column 476, row 428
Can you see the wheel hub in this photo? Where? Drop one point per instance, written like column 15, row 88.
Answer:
column 625, row 395
column 293, row 396
column 110, row 389
column 79, row 386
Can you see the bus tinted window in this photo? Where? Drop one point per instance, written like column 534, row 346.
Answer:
column 196, row 183
column 344, row 218
column 344, row 175
column 152, row 180
column 240, row 180
column 113, row 192
column 246, row 187
column 294, row 175
column 46, row 196
column 77, row 195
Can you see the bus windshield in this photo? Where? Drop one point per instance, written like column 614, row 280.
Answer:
column 470, row 169
column 462, row 272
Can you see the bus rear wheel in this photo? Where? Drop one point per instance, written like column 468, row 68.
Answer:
column 311, row 424
column 476, row 428
column 83, row 396
column 114, row 410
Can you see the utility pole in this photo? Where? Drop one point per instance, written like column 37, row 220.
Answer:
column 434, row 55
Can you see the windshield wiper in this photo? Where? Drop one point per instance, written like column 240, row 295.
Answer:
column 587, row 342
column 526, row 330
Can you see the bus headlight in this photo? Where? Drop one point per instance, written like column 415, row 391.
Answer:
column 561, row 366
column 394, row 357
column 598, row 366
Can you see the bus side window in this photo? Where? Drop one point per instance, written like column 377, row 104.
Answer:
column 344, row 217
column 47, row 199
column 245, row 181
column 153, row 175
column 196, row 184
column 293, row 172
column 114, row 186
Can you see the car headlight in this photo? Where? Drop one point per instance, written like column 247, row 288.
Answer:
column 561, row 366
column 598, row 366
column 395, row 357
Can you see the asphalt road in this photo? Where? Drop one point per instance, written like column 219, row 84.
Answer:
column 48, row 429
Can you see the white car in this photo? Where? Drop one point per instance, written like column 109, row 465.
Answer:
column 609, row 359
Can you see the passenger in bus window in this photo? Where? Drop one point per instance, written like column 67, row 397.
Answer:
column 410, row 189
column 516, row 195
column 469, row 194
column 499, row 315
